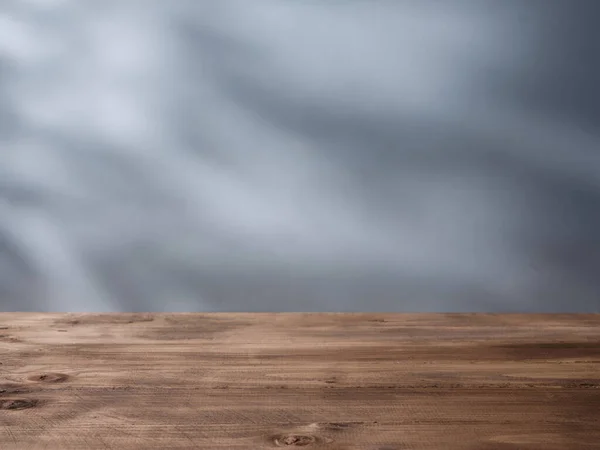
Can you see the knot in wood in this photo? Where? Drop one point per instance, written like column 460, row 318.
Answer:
column 297, row 440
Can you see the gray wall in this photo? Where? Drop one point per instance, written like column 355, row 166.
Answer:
column 279, row 155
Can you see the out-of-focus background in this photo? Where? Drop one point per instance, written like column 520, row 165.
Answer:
column 296, row 155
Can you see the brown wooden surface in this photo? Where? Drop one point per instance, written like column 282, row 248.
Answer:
column 331, row 381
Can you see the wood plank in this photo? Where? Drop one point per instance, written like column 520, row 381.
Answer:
column 267, row 380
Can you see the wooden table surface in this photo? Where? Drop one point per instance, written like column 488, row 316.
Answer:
column 268, row 380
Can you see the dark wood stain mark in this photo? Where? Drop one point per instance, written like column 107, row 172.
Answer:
column 49, row 377
column 18, row 403
column 8, row 389
column 553, row 345
column 341, row 426
column 504, row 446
column 108, row 318
column 550, row 350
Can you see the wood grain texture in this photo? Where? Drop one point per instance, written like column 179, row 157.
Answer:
column 267, row 380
